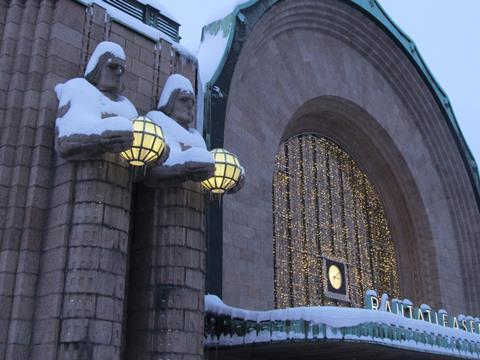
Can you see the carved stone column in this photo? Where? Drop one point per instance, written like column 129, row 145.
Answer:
column 96, row 260
column 168, row 274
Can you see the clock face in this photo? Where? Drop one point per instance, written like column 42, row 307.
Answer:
column 336, row 284
column 335, row 276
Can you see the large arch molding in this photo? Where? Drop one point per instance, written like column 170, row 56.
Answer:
column 328, row 65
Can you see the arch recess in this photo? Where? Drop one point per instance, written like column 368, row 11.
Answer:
column 326, row 210
column 325, row 65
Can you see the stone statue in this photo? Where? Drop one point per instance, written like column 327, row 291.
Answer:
column 93, row 118
column 189, row 158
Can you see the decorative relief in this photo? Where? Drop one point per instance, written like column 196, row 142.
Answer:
column 189, row 158
column 93, row 117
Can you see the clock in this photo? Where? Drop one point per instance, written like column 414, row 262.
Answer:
column 335, row 276
column 336, row 284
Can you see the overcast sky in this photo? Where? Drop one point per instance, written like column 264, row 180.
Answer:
column 446, row 32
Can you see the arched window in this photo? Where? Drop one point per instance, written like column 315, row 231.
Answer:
column 325, row 209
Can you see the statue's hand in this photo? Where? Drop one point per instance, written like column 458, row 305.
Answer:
column 116, row 141
column 159, row 176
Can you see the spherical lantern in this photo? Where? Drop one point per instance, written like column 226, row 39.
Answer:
column 228, row 172
column 148, row 142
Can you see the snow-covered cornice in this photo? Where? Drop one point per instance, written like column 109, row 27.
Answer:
column 228, row 326
column 139, row 26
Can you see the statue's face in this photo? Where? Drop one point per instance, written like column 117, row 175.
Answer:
column 184, row 109
column 111, row 75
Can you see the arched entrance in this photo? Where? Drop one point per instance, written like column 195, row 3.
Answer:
column 323, row 67
column 325, row 208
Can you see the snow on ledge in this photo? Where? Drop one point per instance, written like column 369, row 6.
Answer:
column 212, row 50
column 339, row 324
column 335, row 317
column 163, row 10
column 86, row 107
column 226, row 10
column 140, row 27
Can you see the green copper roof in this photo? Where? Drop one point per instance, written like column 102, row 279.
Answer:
column 374, row 10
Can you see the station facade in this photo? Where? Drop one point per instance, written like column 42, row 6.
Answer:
column 358, row 182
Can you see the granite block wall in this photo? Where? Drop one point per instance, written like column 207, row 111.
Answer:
column 65, row 227
column 324, row 66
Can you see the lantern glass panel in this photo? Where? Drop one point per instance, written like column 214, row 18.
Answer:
column 230, row 172
column 227, row 172
column 148, row 142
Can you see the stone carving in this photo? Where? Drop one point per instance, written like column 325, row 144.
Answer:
column 189, row 158
column 93, row 118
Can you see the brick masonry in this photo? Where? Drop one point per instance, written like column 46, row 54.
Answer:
column 323, row 66
column 167, row 278
column 65, row 227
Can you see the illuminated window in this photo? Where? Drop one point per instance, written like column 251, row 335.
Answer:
column 324, row 207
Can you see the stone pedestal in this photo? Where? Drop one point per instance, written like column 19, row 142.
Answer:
column 92, row 311
column 165, row 317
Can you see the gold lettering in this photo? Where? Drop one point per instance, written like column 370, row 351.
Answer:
column 388, row 308
column 455, row 323
column 429, row 315
column 401, row 310
column 410, row 311
column 396, row 303
column 445, row 319
column 423, row 313
column 472, row 326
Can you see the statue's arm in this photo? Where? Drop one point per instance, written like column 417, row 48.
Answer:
column 91, row 146
column 160, row 175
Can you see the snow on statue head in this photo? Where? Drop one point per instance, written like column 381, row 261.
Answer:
column 106, row 69
column 189, row 158
column 178, row 100
column 93, row 118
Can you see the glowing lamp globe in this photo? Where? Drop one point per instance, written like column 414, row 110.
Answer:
column 227, row 172
column 148, row 142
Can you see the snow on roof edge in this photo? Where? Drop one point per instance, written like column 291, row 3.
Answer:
column 228, row 9
column 334, row 316
column 226, row 23
column 163, row 10
column 140, row 27
column 215, row 43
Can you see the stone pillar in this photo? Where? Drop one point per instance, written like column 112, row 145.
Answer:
column 168, row 274
column 96, row 261
column 26, row 105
